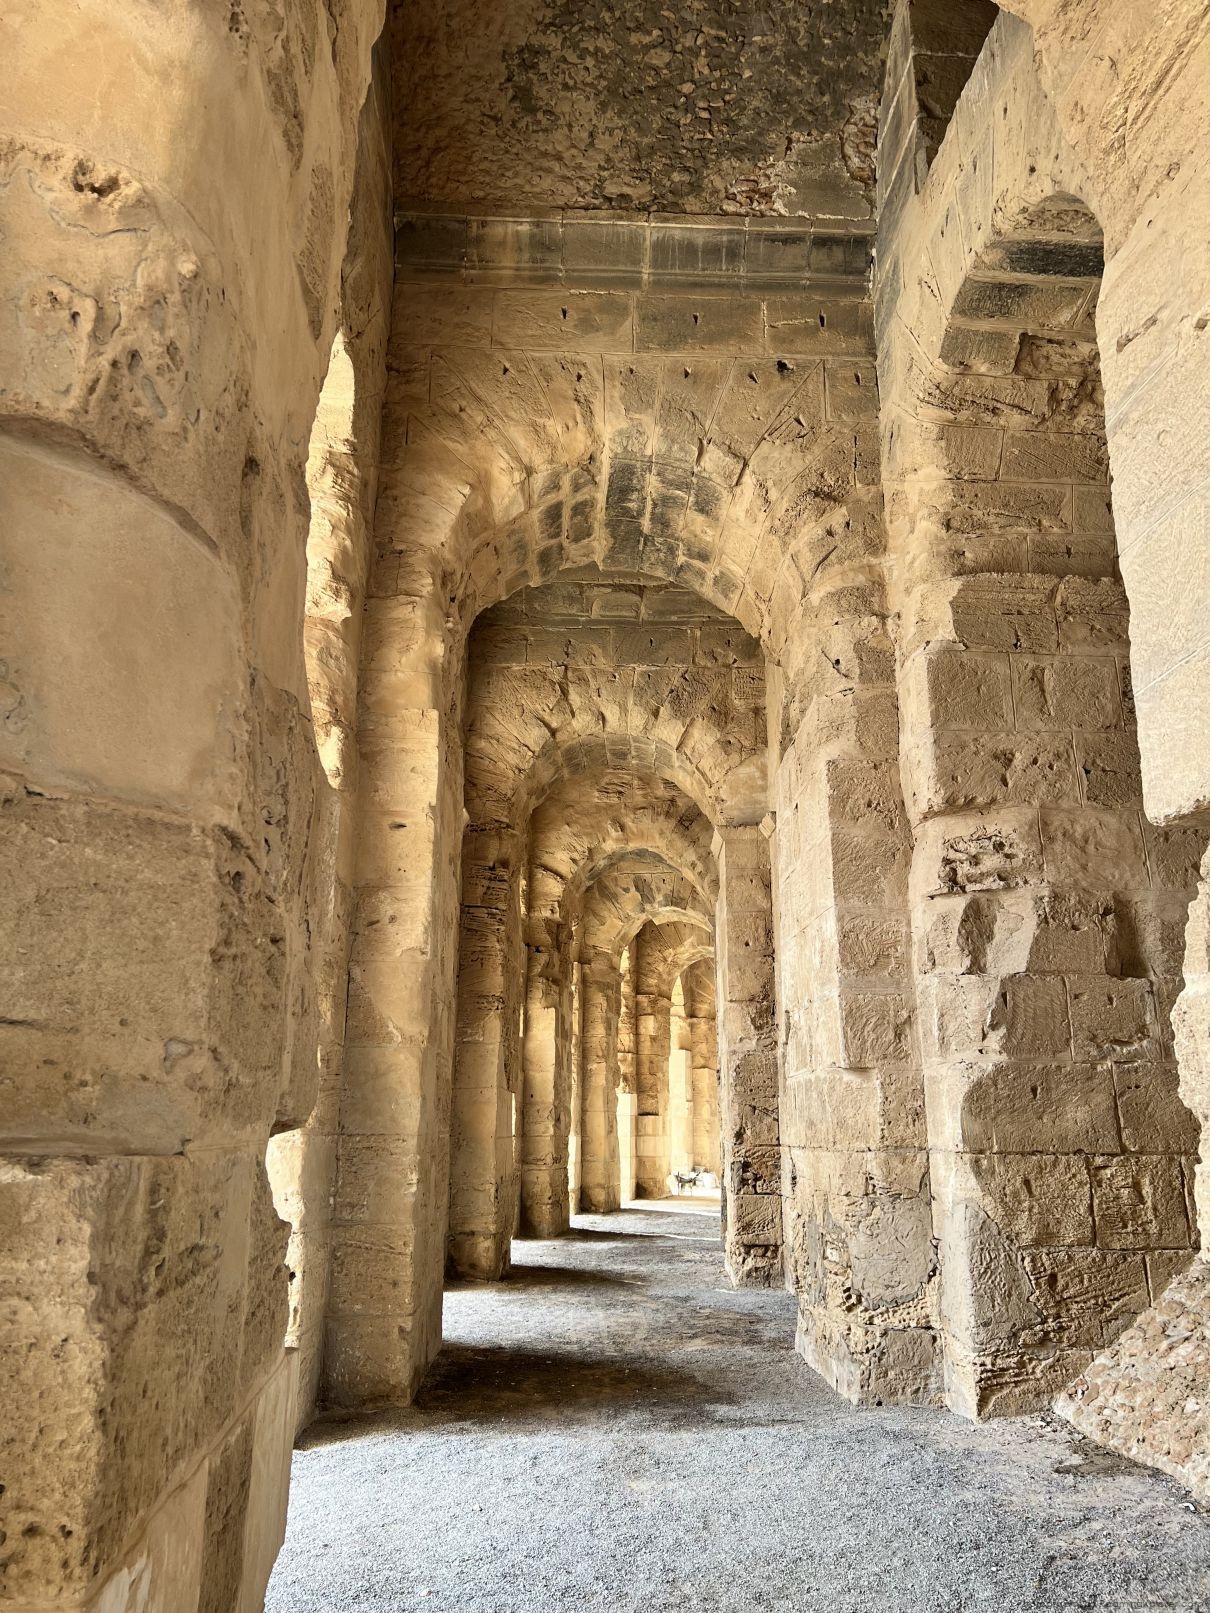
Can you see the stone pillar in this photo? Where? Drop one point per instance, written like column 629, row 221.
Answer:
column 599, row 1175
column 546, row 1076
column 575, row 1060
column 653, row 1031
column 1146, row 1395
column 390, row 1206
column 628, row 1101
column 1046, row 910
column 680, row 1086
column 161, row 348
column 485, row 1117
column 707, row 1150
column 748, row 1059
column 1046, row 945
column 342, row 480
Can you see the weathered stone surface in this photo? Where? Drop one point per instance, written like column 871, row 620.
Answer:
column 1041, row 934
column 590, row 689
column 703, row 112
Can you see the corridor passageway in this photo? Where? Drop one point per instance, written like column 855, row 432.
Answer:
column 614, row 1428
column 598, row 601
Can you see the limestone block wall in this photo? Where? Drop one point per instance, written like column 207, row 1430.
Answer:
column 164, row 326
column 1047, row 911
column 1101, row 69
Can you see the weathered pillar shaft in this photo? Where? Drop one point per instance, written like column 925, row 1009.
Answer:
column 680, row 1088
column 486, row 1096
column 748, row 1059
column 546, row 1076
column 706, row 1138
column 600, row 1188
column 390, row 1205
column 653, row 1039
column 575, row 1060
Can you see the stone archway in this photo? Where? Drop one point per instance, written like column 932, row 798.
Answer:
column 1047, row 912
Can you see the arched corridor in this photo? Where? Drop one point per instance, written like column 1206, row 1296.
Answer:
column 604, row 804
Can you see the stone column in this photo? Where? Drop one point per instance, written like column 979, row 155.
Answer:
column 1146, row 1395
column 653, row 1021
column 161, row 869
column 546, row 1079
column 1046, row 910
column 704, row 1044
column 599, row 1177
column 680, row 1086
column 484, row 1118
column 342, row 480
column 628, row 1102
column 748, row 1059
column 390, row 1206
column 575, row 1059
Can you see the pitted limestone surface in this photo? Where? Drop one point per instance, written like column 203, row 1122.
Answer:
column 614, row 1428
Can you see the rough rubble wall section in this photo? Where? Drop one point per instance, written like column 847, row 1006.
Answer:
column 713, row 108
column 164, row 324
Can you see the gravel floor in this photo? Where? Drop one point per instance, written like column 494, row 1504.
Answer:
column 613, row 1428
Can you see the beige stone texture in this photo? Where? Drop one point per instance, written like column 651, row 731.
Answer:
column 584, row 599
column 166, row 320
column 1046, row 943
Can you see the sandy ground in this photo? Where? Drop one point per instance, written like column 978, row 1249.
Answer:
column 613, row 1428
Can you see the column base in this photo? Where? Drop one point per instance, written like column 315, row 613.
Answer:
column 478, row 1257
column 599, row 1200
column 869, row 1365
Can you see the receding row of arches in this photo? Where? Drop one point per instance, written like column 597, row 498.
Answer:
column 976, row 687
column 721, row 750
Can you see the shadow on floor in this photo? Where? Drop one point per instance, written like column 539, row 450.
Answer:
column 491, row 1384
column 476, row 1381
column 526, row 1276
